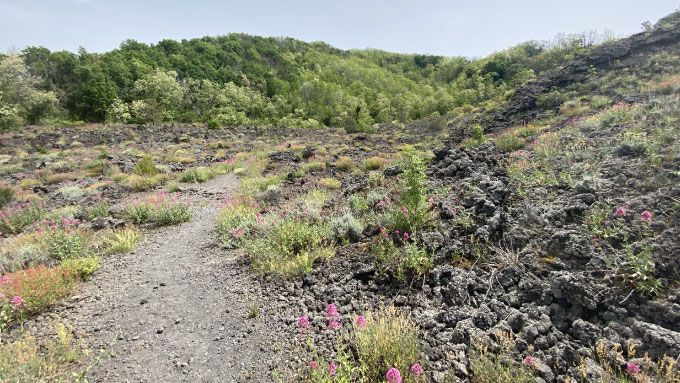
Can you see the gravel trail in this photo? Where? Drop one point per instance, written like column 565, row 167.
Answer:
column 178, row 306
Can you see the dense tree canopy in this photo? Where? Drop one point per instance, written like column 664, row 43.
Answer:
column 242, row 79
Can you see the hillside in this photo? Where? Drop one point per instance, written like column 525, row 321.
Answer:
column 531, row 238
column 248, row 80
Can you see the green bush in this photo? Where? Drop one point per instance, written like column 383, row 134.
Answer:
column 197, row 175
column 389, row 339
column 373, row 163
column 161, row 209
column 6, row 195
column 509, row 142
column 121, row 240
column 145, row 167
column 83, row 267
column 14, row 218
column 346, row 227
column 99, row 209
column 214, row 124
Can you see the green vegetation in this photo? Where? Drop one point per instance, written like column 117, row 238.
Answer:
column 244, row 80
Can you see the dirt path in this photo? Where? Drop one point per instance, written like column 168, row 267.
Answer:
column 178, row 307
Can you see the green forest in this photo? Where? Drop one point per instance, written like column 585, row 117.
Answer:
column 239, row 79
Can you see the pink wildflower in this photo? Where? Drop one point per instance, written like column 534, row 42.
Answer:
column 632, row 368
column 393, row 376
column 431, row 201
column 17, row 301
column 406, row 236
column 332, row 369
column 334, row 325
column 529, row 361
column 416, row 369
column 646, row 216
column 361, row 322
column 404, row 209
column 4, row 279
column 313, row 365
column 332, row 312
column 303, row 322
column 621, row 212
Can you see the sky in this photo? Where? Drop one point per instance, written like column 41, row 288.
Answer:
column 470, row 28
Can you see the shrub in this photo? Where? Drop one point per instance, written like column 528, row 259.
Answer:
column 162, row 209
column 345, row 164
column 145, row 183
column 509, row 142
column 71, row 192
column 408, row 211
column 330, row 183
column 411, row 257
column 373, row 163
column 61, row 177
column 99, row 209
column 197, row 175
column 121, row 240
column 39, row 287
column 346, row 227
column 236, row 221
column 82, row 267
column 52, row 359
column 260, row 183
column 6, row 195
column 13, row 219
column 62, row 240
column 389, row 340
column 145, row 167
column 214, row 124
column 314, row 166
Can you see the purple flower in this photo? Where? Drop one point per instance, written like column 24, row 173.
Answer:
column 332, row 312
column 393, row 376
column 334, row 325
column 406, row 236
column 621, row 212
column 313, row 365
column 646, row 216
column 416, row 369
column 4, row 279
column 632, row 368
column 17, row 301
column 332, row 369
column 529, row 361
column 361, row 322
column 303, row 322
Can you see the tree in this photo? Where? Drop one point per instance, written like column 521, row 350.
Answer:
column 20, row 97
column 161, row 94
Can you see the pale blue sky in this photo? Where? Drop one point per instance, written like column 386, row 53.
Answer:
column 470, row 28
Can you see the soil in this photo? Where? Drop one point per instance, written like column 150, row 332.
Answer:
column 176, row 308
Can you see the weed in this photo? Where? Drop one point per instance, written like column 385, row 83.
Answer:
column 28, row 359
column 509, row 142
column 145, row 167
column 99, row 209
column 345, row 164
column 197, row 175
column 330, row 183
column 121, row 240
column 6, row 195
column 346, row 227
column 162, row 209
column 13, row 219
column 373, row 163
